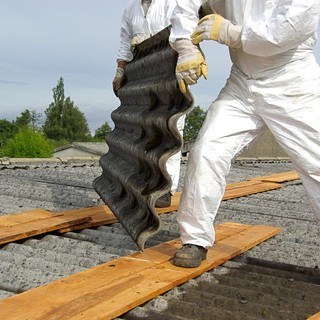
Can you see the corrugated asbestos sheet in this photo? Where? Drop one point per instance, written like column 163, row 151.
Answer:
column 212, row 6
column 144, row 137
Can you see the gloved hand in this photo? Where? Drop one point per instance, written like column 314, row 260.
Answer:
column 136, row 40
column 118, row 80
column 191, row 64
column 215, row 27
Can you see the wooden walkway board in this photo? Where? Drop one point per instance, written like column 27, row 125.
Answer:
column 100, row 215
column 279, row 177
column 249, row 189
column 36, row 227
column 315, row 317
column 242, row 184
column 28, row 216
column 20, row 226
column 113, row 288
column 31, row 223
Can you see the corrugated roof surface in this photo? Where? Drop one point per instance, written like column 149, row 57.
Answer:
column 98, row 148
column 278, row 279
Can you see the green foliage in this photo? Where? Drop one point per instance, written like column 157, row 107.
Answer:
column 7, row 130
column 193, row 123
column 64, row 121
column 28, row 144
column 101, row 132
column 24, row 119
column 29, row 118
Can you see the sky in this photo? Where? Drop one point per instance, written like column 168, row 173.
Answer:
column 43, row 40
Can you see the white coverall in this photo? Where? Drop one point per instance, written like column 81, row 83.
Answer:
column 135, row 23
column 274, row 83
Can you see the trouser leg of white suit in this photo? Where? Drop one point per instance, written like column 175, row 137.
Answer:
column 230, row 125
column 289, row 104
column 173, row 163
column 294, row 119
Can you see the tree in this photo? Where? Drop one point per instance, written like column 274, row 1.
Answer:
column 7, row 130
column 102, row 131
column 24, row 119
column 64, row 120
column 193, row 123
column 29, row 118
column 28, row 144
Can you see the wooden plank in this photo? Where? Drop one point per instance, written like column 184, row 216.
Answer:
column 245, row 191
column 102, row 215
column 227, row 229
column 279, row 177
column 84, row 217
column 111, row 289
column 242, row 184
column 315, row 317
column 97, row 219
column 32, row 215
column 151, row 282
column 33, row 228
column 39, row 221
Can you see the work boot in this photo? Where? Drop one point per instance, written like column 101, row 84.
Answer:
column 189, row 256
column 164, row 201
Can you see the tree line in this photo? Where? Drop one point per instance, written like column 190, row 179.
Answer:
column 30, row 137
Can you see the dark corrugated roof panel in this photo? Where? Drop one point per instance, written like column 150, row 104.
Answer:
column 144, row 137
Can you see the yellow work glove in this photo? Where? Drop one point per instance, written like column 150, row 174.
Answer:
column 215, row 27
column 136, row 40
column 191, row 64
column 118, row 80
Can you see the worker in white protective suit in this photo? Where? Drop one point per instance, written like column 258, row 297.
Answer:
column 274, row 83
column 140, row 20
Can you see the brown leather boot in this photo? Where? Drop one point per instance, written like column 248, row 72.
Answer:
column 189, row 256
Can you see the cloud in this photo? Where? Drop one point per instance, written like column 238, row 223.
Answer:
column 10, row 82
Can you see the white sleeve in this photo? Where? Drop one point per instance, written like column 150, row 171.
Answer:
column 124, row 51
column 171, row 4
column 184, row 19
column 289, row 24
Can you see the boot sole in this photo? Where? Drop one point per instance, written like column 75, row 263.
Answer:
column 188, row 263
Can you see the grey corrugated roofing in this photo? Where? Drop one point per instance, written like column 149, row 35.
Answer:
column 279, row 279
column 98, row 148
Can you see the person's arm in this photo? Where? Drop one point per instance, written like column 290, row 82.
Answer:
column 264, row 33
column 290, row 24
column 124, row 53
column 191, row 64
column 184, row 19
